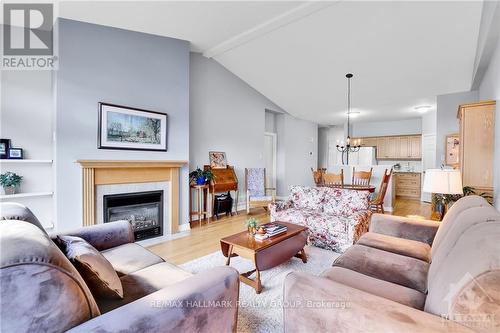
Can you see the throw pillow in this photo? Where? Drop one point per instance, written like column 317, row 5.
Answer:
column 96, row 270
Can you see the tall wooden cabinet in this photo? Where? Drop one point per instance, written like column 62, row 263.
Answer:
column 477, row 135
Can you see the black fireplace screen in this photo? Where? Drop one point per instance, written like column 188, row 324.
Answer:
column 144, row 211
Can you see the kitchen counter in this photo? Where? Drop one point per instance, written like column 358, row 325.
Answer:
column 403, row 171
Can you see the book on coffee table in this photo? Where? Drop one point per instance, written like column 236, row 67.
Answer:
column 272, row 229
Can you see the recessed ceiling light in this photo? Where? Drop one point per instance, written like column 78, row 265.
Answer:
column 422, row 108
column 353, row 114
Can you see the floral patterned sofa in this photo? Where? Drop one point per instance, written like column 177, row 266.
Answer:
column 336, row 217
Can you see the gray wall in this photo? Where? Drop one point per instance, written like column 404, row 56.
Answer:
column 297, row 152
column 226, row 114
column 100, row 63
column 490, row 89
column 323, row 139
column 382, row 128
column 446, row 118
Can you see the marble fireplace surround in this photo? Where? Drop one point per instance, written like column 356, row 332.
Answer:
column 97, row 173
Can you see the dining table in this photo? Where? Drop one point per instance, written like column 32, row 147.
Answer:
column 370, row 188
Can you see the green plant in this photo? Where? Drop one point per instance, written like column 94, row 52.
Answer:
column 10, row 179
column 198, row 173
column 251, row 222
column 468, row 190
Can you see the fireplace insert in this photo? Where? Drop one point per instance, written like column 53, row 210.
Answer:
column 144, row 211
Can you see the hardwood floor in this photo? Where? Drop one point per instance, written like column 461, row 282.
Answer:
column 205, row 239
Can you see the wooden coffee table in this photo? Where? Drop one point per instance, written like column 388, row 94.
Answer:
column 265, row 254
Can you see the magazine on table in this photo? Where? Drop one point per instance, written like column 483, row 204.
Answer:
column 272, row 229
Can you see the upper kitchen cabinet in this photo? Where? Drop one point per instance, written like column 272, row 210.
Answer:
column 403, row 147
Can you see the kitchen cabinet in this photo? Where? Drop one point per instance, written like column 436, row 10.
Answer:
column 403, row 147
column 415, row 147
column 407, row 185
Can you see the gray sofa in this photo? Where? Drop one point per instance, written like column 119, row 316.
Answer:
column 41, row 291
column 407, row 275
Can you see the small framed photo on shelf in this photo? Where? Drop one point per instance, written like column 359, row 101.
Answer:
column 4, row 148
column 15, row 153
column 217, row 160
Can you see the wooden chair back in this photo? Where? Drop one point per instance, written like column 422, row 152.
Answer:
column 334, row 179
column 383, row 186
column 361, row 178
column 318, row 176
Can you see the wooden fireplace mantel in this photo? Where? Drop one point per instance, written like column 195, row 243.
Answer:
column 106, row 172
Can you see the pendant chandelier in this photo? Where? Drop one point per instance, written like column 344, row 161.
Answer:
column 347, row 148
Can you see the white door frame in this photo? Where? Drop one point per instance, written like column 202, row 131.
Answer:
column 426, row 197
column 275, row 149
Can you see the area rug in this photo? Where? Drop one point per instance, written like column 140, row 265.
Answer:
column 263, row 312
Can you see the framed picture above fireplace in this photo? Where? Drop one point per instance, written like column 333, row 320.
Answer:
column 123, row 127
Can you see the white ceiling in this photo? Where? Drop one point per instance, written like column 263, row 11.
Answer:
column 402, row 54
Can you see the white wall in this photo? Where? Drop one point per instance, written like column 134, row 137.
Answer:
column 446, row 118
column 297, row 152
column 228, row 115
column 26, row 119
column 429, row 122
column 383, row 128
column 490, row 89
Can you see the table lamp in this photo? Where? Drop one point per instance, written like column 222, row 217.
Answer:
column 443, row 181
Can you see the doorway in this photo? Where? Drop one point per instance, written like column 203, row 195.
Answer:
column 270, row 146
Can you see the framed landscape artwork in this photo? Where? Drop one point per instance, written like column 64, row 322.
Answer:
column 122, row 127
column 217, row 160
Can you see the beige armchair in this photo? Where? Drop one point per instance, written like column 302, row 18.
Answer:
column 257, row 194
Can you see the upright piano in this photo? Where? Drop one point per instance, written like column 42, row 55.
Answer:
column 225, row 181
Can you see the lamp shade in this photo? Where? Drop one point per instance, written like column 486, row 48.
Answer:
column 443, row 181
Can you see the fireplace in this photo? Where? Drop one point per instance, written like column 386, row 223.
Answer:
column 144, row 211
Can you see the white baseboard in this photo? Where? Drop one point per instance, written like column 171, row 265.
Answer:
column 184, row 227
column 388, row 209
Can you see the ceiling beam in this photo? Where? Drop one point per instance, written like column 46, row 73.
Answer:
column 489, row 35
column 268, row 26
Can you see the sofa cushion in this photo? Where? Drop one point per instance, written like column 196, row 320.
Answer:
column 344, row 202
column 296, row 216
column 307, row 197
column 406, row 247
column 144, row 282
column 131, row 257
column 41, row 291
column 392, row 291
column 391, row 267
column 94, row 268
column 465, row 203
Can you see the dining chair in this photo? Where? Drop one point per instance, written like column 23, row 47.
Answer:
column 257, row 192
column 318, row 176
column 377, row 204
column 361, row 178
column 334, row 179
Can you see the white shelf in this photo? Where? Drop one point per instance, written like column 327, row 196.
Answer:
column 25, row 195
column 26, row 161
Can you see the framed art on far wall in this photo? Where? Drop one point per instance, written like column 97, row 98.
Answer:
column 452, row 150
column 217, row 159
column 123, row 127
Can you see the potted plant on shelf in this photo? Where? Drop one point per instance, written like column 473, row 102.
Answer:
column 10, row 181
column 201, row 177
